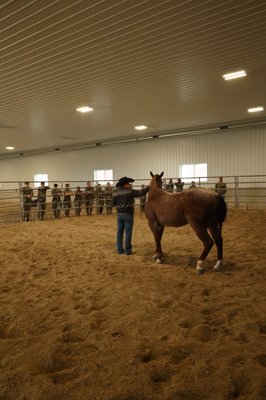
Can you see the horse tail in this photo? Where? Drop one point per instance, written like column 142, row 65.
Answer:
column 221, row 211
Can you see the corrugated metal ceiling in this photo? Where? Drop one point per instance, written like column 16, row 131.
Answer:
column 158, row 63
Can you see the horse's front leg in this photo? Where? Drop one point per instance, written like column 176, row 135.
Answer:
column 157, row 231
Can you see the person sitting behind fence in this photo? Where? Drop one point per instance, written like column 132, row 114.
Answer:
column 220, row 187
column 56, row 200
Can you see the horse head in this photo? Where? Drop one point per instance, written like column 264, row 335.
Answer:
column 157, row 179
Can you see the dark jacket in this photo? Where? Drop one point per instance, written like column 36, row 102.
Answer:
column 123, row 199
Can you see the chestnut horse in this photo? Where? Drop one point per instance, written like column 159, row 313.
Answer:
column 203, row 209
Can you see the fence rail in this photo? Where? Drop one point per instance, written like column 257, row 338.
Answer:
column 247, row 192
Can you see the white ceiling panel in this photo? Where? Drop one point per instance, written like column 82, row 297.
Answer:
column 158, row 63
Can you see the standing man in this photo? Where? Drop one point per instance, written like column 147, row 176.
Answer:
column 220, row 187
column 142, row 200
column 27, row 193
column 193, row 185
column 123, row 200
column 179, row 185
column 56, row 200
column 99, row 198
column 170, row 186
column 78, row 201
column 41, row 200
column 108, row 194
column 67, row 200
column 89, row 196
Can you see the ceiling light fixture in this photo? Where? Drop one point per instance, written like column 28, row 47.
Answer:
column 10, row 148
column 144, row 138
column 255, row 109
column 189, row 133
column 234, row 75
column 119, row 142
column 84, row 109
column 140, row 127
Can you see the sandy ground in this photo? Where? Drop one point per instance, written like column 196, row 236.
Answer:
column 78, row 321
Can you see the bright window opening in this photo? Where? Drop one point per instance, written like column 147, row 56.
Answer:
column 103, row 176
column 38, row 178
column 189, row 172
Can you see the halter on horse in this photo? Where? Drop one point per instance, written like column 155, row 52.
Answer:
column 203, row 209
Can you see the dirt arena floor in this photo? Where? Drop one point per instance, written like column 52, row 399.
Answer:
column 80, row 322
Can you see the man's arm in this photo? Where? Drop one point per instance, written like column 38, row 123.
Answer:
column 141, row 192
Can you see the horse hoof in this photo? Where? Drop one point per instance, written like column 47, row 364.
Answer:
column 159, row 261
column 217, row 266
column 199, row 271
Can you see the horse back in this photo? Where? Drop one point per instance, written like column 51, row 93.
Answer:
column 197, row 206
column 205, row 207
column 166, row 209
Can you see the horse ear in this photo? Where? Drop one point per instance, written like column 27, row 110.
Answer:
column 151, row 174
column 161, row 174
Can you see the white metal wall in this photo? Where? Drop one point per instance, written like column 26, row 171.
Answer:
column 227, row 153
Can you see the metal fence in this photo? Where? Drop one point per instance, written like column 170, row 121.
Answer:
column 248, row 192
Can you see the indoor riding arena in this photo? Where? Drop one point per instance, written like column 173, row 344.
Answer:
column 96, row 98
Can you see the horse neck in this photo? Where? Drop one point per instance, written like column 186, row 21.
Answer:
column 154, row 186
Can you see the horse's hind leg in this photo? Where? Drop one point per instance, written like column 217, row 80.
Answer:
column 207, row 242
column 218, row 240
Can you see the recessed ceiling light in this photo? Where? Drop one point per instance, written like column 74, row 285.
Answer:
column 84, row 109
column 255, row 109
column 234, row 75
column 10, row 148
column 140, row 127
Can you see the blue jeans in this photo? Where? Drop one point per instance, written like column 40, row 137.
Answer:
column 124, row 224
